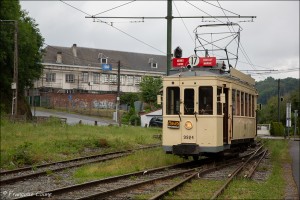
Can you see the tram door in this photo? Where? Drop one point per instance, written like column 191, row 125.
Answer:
column 225, row 117
column 189, row 127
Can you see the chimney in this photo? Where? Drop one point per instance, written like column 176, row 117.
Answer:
column 59, row 57
column 74, row 50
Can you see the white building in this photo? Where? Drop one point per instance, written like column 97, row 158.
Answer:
column 87, row 70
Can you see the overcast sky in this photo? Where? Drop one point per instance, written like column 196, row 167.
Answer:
column 270, row 42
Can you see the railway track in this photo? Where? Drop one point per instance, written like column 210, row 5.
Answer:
column 139, row 183
column 159, row 181
column 20, row 174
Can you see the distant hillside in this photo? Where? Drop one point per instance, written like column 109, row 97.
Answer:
column 269, row 88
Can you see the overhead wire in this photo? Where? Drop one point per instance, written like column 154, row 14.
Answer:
column 114, row 8
column 239, row 42
column 107, row 23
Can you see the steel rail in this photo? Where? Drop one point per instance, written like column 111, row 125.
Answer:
column 63, row 190
column 35, row 168
column 251, row 172
column 234, row 173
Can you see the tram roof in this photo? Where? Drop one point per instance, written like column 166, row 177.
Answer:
column 214, row 72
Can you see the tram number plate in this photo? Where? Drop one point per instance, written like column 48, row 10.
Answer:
column 173, row 124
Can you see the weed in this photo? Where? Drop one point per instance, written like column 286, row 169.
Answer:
column 21, row 155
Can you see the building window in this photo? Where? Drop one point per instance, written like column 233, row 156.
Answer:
column 129, row 80
column 113, row 79
column 137, row 80
column 85, row 77
column 103, row 60
column 104, row 78
column 50, row 77
column 96, row 78
column 70, row 78
column 153, row 65
column 122, row 80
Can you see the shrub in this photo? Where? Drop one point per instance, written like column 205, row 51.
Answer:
column 277, row 129
column 21, row 155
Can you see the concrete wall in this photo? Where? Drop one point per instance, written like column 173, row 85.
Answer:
column 81, row 101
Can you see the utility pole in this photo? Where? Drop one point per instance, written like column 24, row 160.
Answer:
column 118, row 117
column 278, row 100
column 169, row 36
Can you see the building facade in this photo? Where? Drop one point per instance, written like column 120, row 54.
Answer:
column 87, row 70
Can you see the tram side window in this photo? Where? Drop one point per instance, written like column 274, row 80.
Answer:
column 238, row 103
column 246, row 104
column 253, row 105
column 219, row 104
column 189, row 101
column 206, row 100
column 242, row 103
column 250, row 104
column 233, row 102
column 173, row 100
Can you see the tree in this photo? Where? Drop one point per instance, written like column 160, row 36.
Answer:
column 30, row 43
column 150, row 88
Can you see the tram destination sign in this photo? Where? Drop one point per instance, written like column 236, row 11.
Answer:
column 198, row 61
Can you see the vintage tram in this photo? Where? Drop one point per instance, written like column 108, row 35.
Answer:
column 208, row 109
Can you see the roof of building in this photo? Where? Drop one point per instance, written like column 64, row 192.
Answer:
column 91, row 57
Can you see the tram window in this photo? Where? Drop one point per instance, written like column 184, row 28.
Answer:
column 238, row 103
column 253, row 106
column 242, row 103
column 206, row 100
column 246, row 104
column 189, row 95
column 233, row 102
column 249, row 107
column 173, row 101
column 219, row 104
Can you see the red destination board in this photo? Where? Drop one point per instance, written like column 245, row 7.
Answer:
column 201, row 62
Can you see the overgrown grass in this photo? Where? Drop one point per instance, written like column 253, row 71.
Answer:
column 27, row 143
column 272, row 188
column 140, row 160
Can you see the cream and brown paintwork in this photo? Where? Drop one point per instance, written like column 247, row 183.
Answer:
column 200, row 132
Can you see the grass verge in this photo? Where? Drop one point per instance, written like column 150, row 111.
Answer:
column 272, row 188
column 138, row 161
column 29, row 144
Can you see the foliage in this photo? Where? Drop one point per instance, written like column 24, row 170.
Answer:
column 30, row 42
column 269, row 88
column 129, row 98
column 131, row 118
column 150, row 88
column 277, row 129
column 269, row 112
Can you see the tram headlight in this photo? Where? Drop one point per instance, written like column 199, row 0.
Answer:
column 188, row 125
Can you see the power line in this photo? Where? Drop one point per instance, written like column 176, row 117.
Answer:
column 107, row 23
column 183, row 22
column 220, row 7
column 114, row 8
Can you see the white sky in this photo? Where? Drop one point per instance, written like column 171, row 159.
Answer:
column 270, row 42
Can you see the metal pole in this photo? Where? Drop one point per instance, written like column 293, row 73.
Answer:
column 278, row 100
column 118, row 95
column 295, row 117
column 169, row 36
